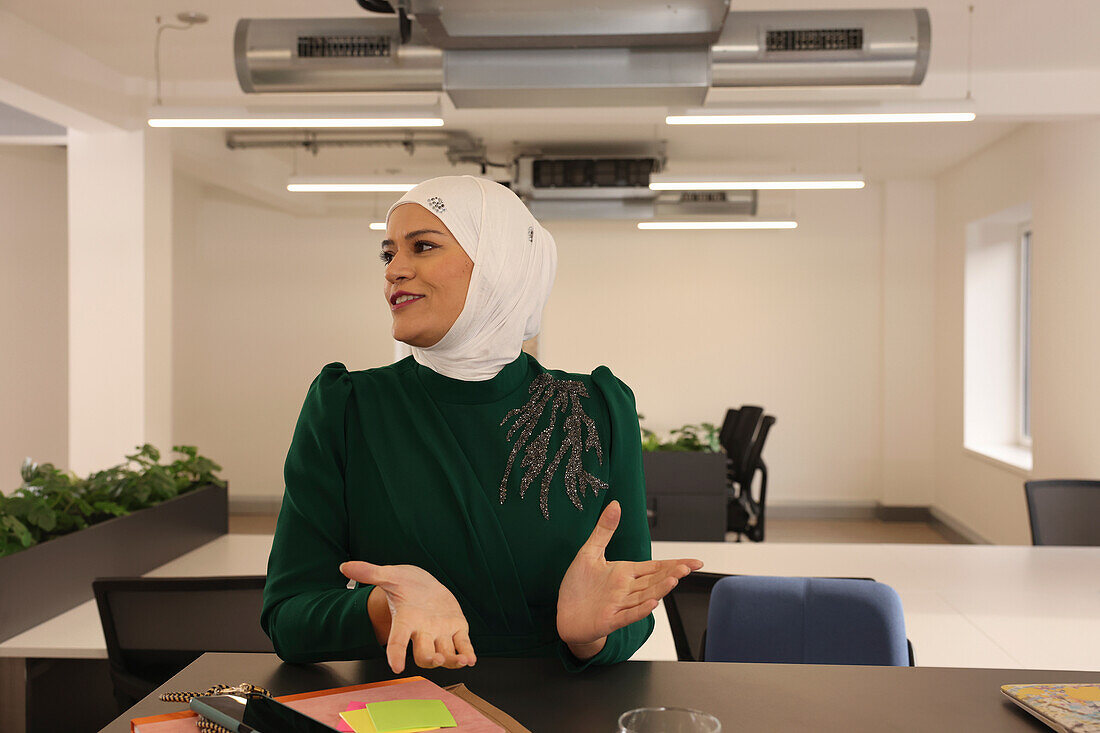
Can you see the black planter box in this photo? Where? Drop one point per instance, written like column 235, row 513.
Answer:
column 41, row 581
column 686, row 495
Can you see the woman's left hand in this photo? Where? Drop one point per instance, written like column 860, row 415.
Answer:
column 596, row 596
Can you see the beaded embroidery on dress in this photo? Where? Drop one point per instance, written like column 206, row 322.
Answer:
column 562, row 396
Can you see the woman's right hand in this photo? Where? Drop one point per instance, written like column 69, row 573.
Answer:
column 421, row 610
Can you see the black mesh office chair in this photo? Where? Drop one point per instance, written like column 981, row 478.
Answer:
column 742, row 436
column 154, row 627
column 1064, row 512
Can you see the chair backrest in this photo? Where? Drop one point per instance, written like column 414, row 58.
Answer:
column 154, row 627
column 737, row 433
column 1064, row 512
column 753, row 459
column 686, row 606
column 805, row 621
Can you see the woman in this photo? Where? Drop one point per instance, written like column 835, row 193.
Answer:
column 481, row 504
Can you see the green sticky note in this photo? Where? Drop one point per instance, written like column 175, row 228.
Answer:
column 390, row 716
column 360, row 722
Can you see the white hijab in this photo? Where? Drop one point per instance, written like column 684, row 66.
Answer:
column 514, row 264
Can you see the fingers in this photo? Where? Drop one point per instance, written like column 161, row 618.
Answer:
column 663, row 569
column 424, row 652
column 445, row 646
column 396, row 647
column 364, row 572
column 464, row 648
column 646, row 567
column 653, row 591
column 605, row 528
column 632, row 615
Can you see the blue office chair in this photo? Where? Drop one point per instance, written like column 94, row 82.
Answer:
column 805, row 621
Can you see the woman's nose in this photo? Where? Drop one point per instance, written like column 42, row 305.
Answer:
column 399, row 268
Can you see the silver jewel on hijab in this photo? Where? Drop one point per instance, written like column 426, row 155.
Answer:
column 563, row 396
column 437, row 204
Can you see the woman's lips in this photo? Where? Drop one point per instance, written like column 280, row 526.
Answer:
column 409, row 301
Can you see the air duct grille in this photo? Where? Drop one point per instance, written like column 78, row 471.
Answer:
column 703, row 197
column 833, row 39
column 333, row 47
column 597, row 173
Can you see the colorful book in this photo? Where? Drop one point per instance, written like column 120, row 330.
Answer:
column 1070, row 708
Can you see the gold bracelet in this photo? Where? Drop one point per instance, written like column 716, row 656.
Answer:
column 209, row 726
column 244, row 689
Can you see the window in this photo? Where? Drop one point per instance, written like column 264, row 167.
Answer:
column 997, row 336
column 1024, row 437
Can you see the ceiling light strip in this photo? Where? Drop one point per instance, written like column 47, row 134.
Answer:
column 818, row 119
column 378, row 226
column 322, row 187
column 754, row 185
column 241, row 123
column 645, row 225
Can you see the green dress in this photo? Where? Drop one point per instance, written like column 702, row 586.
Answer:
column 491, row 487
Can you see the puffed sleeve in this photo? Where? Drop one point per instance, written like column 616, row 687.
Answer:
column 626, row 483
column 308, row 611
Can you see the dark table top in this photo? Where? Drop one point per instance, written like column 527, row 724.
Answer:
column 759, row 697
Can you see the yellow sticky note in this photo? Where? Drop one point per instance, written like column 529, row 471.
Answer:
column 360, row 721
column 399, row 716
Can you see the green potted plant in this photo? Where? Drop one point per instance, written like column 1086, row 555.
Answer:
column 685, row 477
column 58, row 531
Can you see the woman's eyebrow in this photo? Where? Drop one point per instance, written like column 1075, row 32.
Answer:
column 414, row 235
column 418, row 232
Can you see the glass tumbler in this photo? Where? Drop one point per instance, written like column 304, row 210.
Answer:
column 668, row 720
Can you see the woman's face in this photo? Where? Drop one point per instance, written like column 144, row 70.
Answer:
column 427, row 275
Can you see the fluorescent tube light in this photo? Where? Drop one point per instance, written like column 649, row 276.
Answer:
column 818, row 119
column 347, row 187
column 717, row 224
column 378, row 226
column 245, row 118
column 295, row 122
column 665, row 182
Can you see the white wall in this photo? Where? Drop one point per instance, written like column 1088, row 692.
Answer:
column 262, row 300
column 694, row 322
column 1056, row 168
column 908, row 342
column 33, row 310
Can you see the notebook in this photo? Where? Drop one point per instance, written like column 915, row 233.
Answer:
column 1070, row 708
column 471, row 713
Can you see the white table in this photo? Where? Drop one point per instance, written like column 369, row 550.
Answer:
column 965, row 605
column 77, row 633
column 990, row 606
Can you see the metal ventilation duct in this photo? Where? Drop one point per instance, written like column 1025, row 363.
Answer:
column 333, row 55
column 829, row 47
column 609, row 66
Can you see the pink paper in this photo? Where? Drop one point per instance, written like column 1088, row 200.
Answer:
column 343, row 724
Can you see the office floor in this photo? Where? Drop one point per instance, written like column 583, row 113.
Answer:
column 778, row 530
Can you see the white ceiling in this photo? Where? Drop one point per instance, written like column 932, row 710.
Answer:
column 1014, row 41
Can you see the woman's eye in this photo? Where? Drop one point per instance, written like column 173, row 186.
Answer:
column 423, row 246
column 385, row 257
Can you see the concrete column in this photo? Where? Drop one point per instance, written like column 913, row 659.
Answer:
column 119, row 295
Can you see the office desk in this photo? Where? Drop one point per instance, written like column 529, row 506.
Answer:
column 965, row 605
column 758, row 697
column 987, row 606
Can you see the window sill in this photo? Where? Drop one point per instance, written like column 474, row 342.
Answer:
column 1015, row 458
